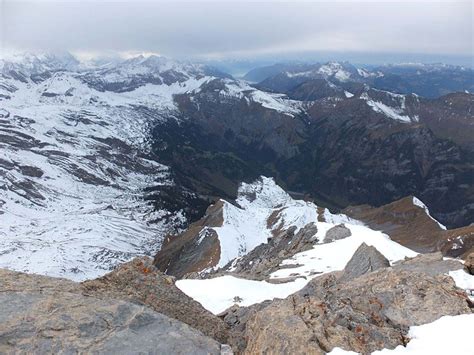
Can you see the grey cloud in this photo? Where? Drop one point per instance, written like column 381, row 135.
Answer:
column 229, row 28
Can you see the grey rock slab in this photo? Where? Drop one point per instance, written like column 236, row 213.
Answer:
column 70, row 323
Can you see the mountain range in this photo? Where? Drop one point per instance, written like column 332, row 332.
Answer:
column 107, row 160
column 149, row 205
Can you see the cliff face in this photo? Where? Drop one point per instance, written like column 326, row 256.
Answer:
column 373, row 147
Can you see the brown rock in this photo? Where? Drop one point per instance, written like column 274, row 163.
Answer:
column 469, row 263
column 364, row 314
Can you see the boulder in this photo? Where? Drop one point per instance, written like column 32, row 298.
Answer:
column 236, row 318
column 469, row 263
column 337, row 232
column 365, row 259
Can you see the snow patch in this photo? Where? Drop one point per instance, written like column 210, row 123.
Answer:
column 447, row 335
column 218, row 294
column 388, row 111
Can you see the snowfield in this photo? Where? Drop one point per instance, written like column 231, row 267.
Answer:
column 75, row 163
column 447, row 335
column 218, row 294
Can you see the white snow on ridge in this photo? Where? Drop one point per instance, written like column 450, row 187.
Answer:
column 277, row 102
column 334, row 69
column 388, row 111
column 246, row 227
column 419, row 203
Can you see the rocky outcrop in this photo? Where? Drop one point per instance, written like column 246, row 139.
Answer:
column 140, row 282
column 337, row 232
column 264, row 221
column 46, row 315
column 431, row 264
column 362, row 314
column 365, row 259
column 196, row 249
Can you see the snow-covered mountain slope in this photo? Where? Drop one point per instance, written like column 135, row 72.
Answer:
column 76, row 158
column 75, row 164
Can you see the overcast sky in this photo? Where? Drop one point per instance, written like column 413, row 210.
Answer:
column 231, row 29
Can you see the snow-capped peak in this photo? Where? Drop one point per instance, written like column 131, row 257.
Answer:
column 31, row 63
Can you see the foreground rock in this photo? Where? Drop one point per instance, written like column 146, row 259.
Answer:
column 46, row 315
column 140, row 282
column 363, row 313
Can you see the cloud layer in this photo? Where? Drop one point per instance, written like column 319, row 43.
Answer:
column 238, row 29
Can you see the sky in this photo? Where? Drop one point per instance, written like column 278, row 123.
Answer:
column 224, row 30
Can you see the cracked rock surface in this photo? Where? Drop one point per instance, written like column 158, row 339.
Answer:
column 49, row 315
